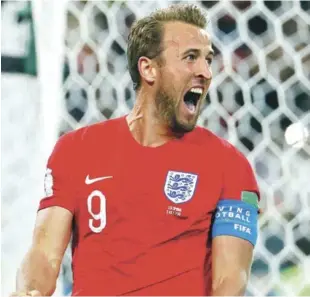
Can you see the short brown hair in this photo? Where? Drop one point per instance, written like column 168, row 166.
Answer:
column 146, row 34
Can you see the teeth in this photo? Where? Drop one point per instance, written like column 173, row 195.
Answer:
column 197, row 90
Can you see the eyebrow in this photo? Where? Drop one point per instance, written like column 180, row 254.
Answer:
column 197, row 52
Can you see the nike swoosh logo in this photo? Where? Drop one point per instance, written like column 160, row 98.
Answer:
column 89, row 181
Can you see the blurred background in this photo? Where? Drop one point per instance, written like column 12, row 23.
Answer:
column 64, row 66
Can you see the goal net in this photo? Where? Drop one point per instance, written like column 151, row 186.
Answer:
column 260, row 87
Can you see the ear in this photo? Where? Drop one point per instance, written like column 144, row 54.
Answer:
column 147, row 69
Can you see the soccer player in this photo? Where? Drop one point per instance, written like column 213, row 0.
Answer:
column 154, row 204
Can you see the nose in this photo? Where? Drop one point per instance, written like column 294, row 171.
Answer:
column 204, row 69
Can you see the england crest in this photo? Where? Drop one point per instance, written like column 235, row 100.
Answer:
column 180, row 186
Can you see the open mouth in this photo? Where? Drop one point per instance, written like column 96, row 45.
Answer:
column 191, row 98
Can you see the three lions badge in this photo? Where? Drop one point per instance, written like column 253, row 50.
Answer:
column 180, row 186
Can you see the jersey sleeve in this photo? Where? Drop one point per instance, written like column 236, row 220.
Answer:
column 58, row 181
column 237, row 210
column 239, row 179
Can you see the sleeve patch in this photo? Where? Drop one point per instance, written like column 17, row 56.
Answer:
column 48, row 183
column 236, row 218
column 250, row 198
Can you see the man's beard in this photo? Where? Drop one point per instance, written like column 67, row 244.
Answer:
column 167, row 111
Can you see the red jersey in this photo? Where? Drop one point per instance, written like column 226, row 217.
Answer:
column 142, row 215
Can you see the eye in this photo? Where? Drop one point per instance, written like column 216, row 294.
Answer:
column 191, row 57
column 209, row 60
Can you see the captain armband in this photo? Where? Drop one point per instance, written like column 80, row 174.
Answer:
column 236, row 218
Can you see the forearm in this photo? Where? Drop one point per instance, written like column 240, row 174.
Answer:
column 234, row 285
column 37, row 272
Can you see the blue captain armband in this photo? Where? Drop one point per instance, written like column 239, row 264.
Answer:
column 236, row 218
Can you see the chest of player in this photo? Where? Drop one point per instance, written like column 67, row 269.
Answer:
column 151, row 193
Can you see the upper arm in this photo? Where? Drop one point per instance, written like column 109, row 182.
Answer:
column 237, row 256
column 238, row 176
column 56, row 210
column 237, row 210
column 231, row 263
column 59, row 182
column 40, row 266
column 234, row 230
column 52, row 233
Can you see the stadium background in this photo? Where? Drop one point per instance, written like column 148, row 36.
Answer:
column 79, row 76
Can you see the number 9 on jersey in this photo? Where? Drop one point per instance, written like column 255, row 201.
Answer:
column 100, row 217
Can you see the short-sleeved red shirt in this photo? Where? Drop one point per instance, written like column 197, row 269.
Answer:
column 142, row 215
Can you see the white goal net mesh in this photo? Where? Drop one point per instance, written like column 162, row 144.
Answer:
column 261, row 85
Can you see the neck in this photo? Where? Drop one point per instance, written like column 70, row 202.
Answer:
column 145, row 123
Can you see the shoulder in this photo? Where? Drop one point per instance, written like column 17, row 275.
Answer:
column 93, row 137
column 92, row 133
column 203, row 137
column 209, row 141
